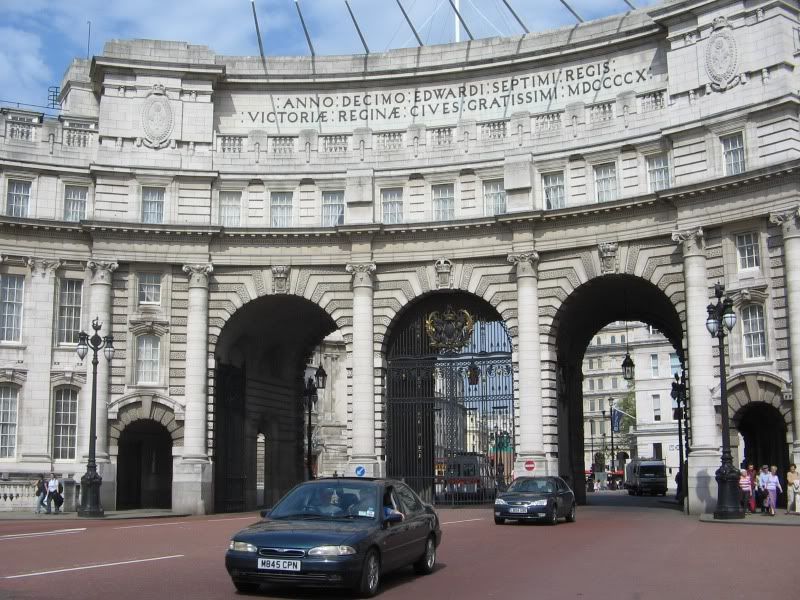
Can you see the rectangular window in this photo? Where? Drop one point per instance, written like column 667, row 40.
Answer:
column 230, row 209
column 591, row 364
column 18, row 198
column 657, row 451
column 755, row 337
column 599, row 384
column 149, row 288
column 591, row 385
column 658, row 172
column 281, row 209
column 591, row 405
column 443, row 202
column 656, row 398
column 733, row 153
column 494, row 197
column 553, row 188
column 153, row 205
column 614, row 383
column 591, row 426
column 8, row 421
column 70, row 294
column 75, row 202
column 747, row 251
column 674, row 364
column 11, row 293
column 147, row 358
column 605, row 182
column 392, row 205
column 654, row 365
column 65, row 424
column 332, row 208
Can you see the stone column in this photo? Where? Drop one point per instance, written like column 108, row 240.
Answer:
column 100, row 308
column 35, row 414
column 531, row 435
column 704, row 457
column 364, row 454
column 196, row 377
column 791, row 273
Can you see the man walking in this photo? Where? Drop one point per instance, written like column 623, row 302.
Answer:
column 54, row 489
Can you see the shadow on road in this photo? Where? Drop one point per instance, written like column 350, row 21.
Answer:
column 621, row 500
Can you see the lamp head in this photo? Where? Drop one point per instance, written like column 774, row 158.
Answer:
column 83, row 345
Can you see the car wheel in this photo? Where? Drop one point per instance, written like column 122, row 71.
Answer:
column 370, row 575
column 245, row 587
column 424, row 566
column 553, row 517
column 571, row 514
column 499, row 521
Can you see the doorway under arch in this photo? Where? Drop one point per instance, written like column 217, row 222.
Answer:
column 144, row 464
column 763, row 430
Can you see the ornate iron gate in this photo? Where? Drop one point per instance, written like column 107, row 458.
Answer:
column 450, row 405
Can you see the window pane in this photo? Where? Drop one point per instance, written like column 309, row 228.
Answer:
column 747, row 249
column 65, row 423
column 147, row 353
column 494, row 197
column 281, row 209
column 8, row 421
column 553, row 187
column 69, row 310
column 605, row 182
column 674, row 364
column 152, row 205
column 654, row 364
column 230, row 207
column 11, row 293
column 392, row 204
column 18, row 197
column 755, row 339
column 149, row 288
column 443, row 202
column 658, row 172
column 332, row 208
column 75, row 202
column 733, row 153
column 656, row 398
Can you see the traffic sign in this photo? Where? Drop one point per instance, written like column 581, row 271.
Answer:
column 361, row 471
column 530, row 465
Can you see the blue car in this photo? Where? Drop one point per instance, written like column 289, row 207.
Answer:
column 338, row 532
column 544, row 499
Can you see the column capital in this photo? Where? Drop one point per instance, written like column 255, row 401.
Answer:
column 362, row 273
column 101, row 271
column 44, row 267
column 788, row 220
column 693, row 242
column 198, row 274
column 527, row 263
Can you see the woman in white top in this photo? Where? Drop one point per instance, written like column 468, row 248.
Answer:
column 773, row 486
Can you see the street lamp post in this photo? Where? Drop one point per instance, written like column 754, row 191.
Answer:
column 679, row 395
column 310, row 397
column 720, row 318
column 90, row 482
column 611, row 422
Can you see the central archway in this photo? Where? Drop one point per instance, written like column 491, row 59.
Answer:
column 450, row 408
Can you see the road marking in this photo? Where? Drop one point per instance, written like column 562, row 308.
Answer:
column 17, row 536
column 153, row 525
column 250, row 518
column 464, row 521
column 114, row 564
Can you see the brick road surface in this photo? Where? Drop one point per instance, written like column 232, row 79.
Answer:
column 619, row 548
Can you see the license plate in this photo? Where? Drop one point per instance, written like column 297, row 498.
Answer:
column 515, row 509
column 278, row 564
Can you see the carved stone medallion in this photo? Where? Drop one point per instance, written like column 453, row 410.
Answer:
column 157, row 118
column 450, row 329
column 722, row 59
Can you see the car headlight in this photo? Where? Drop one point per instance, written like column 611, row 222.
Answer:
column 542, row 502
column 241, row 546
column 332, row 551
column 500, row 501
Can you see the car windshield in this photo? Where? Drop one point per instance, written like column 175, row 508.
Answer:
column 652, row 471
column 536, row 486
column 329, row 500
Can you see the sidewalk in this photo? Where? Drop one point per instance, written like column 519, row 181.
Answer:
column 757, row 519
column 146, row 513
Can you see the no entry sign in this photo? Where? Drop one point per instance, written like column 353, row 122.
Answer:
column 530, row 465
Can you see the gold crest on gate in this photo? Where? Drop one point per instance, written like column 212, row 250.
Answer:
column 451, row 329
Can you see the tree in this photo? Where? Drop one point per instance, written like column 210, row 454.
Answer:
column 627, row 406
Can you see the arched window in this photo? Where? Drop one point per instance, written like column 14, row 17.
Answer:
column 754, row 332
column 148, row 348
column 8, row 421
column 65, row 423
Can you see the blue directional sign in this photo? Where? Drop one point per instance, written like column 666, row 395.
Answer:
column 360, row 471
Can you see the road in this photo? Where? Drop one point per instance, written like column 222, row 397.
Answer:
column 619, row 548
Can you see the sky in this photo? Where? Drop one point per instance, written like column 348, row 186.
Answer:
column 39, row 38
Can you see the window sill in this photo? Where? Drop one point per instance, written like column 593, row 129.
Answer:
column 13, row 345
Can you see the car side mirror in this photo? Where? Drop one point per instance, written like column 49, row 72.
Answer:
column 265, row 513
column 393, row 518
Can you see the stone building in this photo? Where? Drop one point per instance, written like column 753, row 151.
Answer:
column 464, row 217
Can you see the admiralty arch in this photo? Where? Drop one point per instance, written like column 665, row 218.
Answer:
column 443, row 229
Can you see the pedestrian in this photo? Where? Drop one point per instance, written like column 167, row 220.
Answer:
column 54, row 491
column 762, row 499
column 792, row 487
column 751, row 472
column 679, row 486
column 773, row 486
column 746, row 489
column 40, row 491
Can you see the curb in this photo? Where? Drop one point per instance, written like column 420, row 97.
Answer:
column 779, row 520
column 110, row 516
